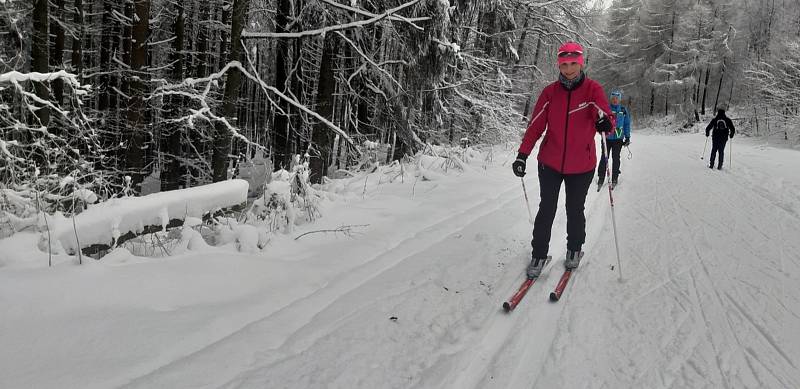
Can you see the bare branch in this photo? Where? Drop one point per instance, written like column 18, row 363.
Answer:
column 325, row 30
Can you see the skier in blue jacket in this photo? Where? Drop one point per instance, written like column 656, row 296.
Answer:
column 621, row 136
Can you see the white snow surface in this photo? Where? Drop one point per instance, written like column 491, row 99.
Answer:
column 710, row 296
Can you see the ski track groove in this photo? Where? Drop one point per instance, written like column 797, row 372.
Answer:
column 517, row 320
column 734, row 333
column 438, row 240
column 668, row 282
column 764, row 333
column 680, row 210
column 596, row 229
column 710, row 331
column 336, row 280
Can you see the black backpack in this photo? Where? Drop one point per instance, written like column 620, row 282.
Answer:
column 722, row 125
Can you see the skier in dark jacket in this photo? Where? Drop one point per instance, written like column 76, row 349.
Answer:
column 723, row 129
column 567, row 114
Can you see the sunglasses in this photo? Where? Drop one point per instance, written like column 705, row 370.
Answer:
column 570, row 54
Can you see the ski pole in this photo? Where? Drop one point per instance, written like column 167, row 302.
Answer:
column 730, row 153
column 528, row 203
column 611, row 200
column 630, row 154
column 704, row 149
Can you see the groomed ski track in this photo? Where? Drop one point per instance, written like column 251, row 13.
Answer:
column 710, row 297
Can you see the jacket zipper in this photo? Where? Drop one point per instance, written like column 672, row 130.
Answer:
column 566, row 129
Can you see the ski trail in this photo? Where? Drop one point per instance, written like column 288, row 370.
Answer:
column 708, row 300
column 447, row 334
column 534, row 315
column 498, row 336
column 707, row 282
column 764, row 333
column 278, row 328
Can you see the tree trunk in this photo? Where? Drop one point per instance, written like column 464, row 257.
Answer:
column 202, row 41
column 487, row 26
column 281, row 122
column 522, row 37
column 118, row 78
column 669, row 62
column 697, row 89
column 222, row 135
column 322, row 137
column 755, row 115
column 719, row 88
column 530, row 98
column 77, row 42
column 301, row 138
column 134, row 154
column 173, row 171
column 105, row 56
column 224, row 35
column 699, row 76
column 57, row 55
column 705, row 91
column 39, row 57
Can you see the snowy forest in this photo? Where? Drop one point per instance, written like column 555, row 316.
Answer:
column 333, row 194
column 184, row 92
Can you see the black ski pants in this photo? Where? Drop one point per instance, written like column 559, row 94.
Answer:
column 615, row 146
column 576, row 187
column 718, row 146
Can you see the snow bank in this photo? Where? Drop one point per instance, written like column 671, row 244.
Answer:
column 105, row 222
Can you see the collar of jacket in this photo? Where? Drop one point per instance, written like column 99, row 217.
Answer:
column 571, row 84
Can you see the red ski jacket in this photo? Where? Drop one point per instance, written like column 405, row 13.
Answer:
column 569, row 117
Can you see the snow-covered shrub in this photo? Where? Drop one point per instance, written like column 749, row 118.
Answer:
column 17, row 208
column 65, row 145
column 288, row 200
column 441, row 159
column 256, row 171
column 20, row 204
column 370, row 155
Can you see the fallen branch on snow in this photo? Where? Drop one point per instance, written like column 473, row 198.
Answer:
column 345, row 230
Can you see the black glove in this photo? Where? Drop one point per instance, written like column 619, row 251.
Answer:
column 519, row 165
column 731, row 136
column 603, row 125
column 626, row 141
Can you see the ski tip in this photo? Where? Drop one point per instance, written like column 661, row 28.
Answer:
column 553, row 297
column 507, row 306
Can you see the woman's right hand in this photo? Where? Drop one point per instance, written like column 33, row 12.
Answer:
column 603, row 125
column 519, row 165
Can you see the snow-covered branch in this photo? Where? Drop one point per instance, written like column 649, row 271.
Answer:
column 214, row 78
column 370, row 61
column 325, row 30
column 410, row 21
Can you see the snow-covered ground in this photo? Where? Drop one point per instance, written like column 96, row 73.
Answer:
column 710, row 296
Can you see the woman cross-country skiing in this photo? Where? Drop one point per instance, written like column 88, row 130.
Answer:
column 567, row 113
